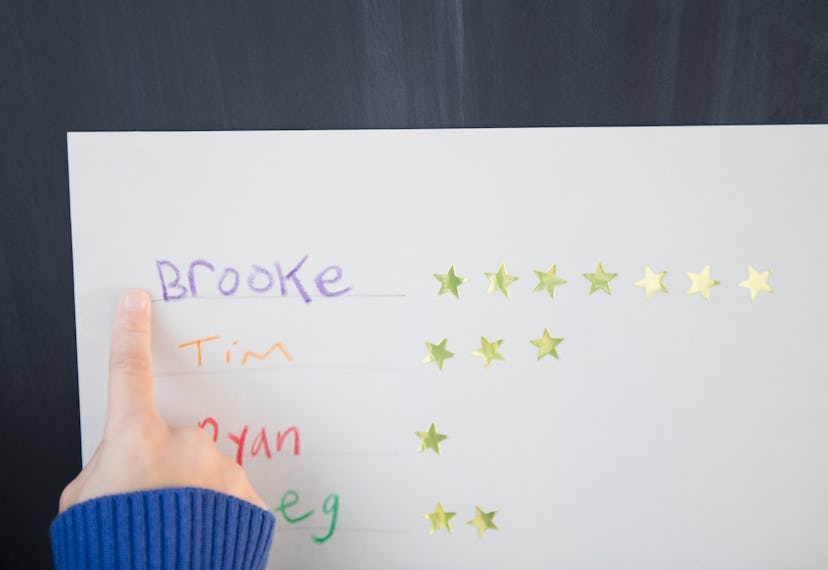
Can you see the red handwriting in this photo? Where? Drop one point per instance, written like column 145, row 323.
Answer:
column 259, row 443
column 199, row 343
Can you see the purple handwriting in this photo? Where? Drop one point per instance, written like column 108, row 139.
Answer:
column 259, row 280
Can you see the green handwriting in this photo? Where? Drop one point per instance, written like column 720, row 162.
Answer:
column 330, row 506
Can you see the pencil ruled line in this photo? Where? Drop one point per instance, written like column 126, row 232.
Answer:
column 349, row 454
column 248, row 297
column 280, row 369
column 284, row 528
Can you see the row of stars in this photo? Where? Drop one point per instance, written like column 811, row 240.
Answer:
column 490, row 350
column 440, row 519
column 652, row 283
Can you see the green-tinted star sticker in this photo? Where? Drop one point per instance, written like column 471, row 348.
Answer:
column 600, row 280
column 701, row 283
column 757, row 282
column 449, row 282
column 431, row 439
column 437, row 353
column 547, row 345
column 653, row 282
column 439, row 519
column 483, row 521
column 489, row 351
column 548, row 281
column 500, row 281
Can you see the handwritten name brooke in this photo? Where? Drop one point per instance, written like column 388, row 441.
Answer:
column 259, row 279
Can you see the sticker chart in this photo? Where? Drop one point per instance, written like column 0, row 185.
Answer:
column 535, row 348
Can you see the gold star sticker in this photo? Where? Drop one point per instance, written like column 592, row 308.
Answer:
column 431, row 439
column 500, row 281
column 483, row 521
column 652, row 282
column 439, row 519
column 756, row 282
column 547, row 345
column 449, row 282
column 548, row 281
column 701, row 283
column 600, row 280
column 437, row 353
column 489, row 351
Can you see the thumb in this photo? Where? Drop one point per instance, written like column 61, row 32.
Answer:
column 130, row 362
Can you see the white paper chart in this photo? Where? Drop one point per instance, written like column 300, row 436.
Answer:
column 495, row 348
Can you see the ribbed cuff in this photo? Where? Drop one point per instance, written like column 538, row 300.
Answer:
column 166, row 528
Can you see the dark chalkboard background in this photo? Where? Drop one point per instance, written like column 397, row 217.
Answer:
column 130, row 65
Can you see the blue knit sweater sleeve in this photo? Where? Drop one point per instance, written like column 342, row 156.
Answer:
column 166, row 528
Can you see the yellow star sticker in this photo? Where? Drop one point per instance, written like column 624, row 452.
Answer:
column 548, row 281
column 439, row 519
column 489, row 351
column 437, row 353
column 483, row 521
column 431, row 439
column 600, row 280
column 756, row 282
column 652, row 282
column 500, row 281
column 449, row 282
column 701, row 283
column 547, row 345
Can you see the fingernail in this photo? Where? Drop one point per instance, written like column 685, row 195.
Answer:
column 135, row 301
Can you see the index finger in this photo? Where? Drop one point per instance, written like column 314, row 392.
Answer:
column 131, row 390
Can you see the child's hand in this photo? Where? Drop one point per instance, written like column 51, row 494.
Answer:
column 139, row 450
